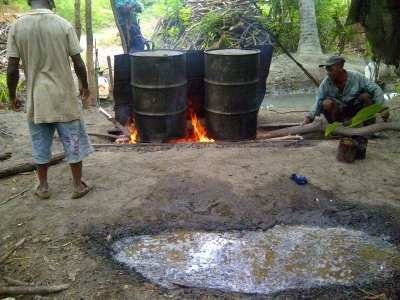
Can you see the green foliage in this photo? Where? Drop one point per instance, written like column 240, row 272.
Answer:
column 331, row 128
column 363, row 115
column 185, row 16
column 4, row 90
column 397, row 87
column 331, row 15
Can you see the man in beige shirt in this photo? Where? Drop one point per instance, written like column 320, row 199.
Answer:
column 45, row 43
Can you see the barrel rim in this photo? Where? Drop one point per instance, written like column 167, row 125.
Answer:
column 148, row 53
column 254, row 51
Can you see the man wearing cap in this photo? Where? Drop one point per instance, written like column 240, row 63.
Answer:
column 45, row 43
column 343, row 93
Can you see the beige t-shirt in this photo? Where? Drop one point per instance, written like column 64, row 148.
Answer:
column 45, row 42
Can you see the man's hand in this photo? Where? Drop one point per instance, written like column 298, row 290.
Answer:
column 385, row 114
column 305, row 122
column 17, row 105
column 85, row 94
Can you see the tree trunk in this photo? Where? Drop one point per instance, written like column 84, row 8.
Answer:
column 25, row 165
column 92, row 100
column 78, row 24
column 309, row 40
column 319, row 126
column 78, row 30
column 124, row 46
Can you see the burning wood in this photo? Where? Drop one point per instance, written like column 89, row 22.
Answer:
column 197, row 134
column 118, row 125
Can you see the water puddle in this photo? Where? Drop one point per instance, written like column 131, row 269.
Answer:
column 262, row 262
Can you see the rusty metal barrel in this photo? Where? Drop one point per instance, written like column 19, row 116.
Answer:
column 122, row 92
column 231, row 83
column 158, row 79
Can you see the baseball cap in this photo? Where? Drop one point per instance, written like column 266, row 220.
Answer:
column 333, row 60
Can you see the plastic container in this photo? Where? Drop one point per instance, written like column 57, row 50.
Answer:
column 104, row 87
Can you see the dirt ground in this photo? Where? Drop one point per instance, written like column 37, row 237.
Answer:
column 150, row 189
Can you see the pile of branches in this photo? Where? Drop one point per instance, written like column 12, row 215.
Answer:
column 213, row 24
column 3, row 45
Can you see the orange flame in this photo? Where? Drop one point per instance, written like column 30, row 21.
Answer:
column 198, row 131
column 197, row 134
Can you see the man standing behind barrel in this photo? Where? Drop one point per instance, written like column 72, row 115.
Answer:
column 45, row 42
column 127, row 11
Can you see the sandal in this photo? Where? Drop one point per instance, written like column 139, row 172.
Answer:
column 77, row 194
column 40, row 194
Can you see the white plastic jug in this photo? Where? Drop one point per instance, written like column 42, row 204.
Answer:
column 104, row 87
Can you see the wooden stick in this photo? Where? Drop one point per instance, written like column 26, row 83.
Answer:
column 32, row 290
column 117, row 124
column 11, row 250
column 103, row 134
column 15, row 196
column 110, row 75
column 14, row 282
column 288, row 137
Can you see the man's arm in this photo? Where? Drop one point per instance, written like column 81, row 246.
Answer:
column 127, row 8
column 81, row 73
column 377, row 97
column 12, row 83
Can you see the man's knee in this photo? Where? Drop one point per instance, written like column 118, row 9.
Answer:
column 327, row 105
column 330, row 110
column 364, row 100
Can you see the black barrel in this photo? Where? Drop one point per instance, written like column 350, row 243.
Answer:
column 158, row 79
column 122, row 92
column 266, row 52
column 195, row 94
column 231, row 85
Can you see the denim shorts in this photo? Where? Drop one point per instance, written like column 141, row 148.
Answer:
column 73, row 136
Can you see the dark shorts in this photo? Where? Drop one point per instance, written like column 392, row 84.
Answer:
column 136, row 39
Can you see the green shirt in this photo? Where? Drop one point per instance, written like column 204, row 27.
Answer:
column 121, row 16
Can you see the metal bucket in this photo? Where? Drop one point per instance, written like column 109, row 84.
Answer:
column 122, row 92
column 266, row 52
column 231, row 85
column 195, row 82
column 158, row 80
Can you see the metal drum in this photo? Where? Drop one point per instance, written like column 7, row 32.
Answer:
column 195, row 82
column 231, row 85
column 266, row 52
column 122, row 92
column 158, row 79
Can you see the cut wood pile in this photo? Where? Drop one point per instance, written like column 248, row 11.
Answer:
column 5, row 21
column 213, row 24
column 3, row 44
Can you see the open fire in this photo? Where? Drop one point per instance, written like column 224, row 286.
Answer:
column 196, row 133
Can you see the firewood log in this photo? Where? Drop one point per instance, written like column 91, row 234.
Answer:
column 25, row 165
